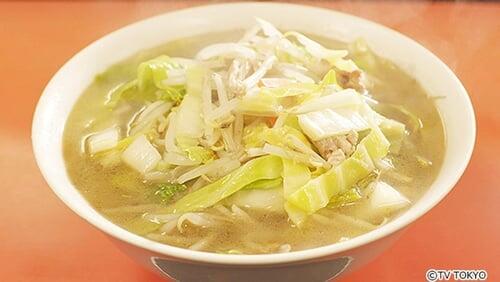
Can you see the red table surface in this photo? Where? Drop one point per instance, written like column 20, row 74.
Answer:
column 42, row 240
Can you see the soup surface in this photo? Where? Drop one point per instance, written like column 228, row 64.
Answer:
column 268, row 214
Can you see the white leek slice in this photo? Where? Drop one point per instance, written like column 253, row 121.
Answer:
column 385, row 199
column 103, row 140
column 141, row 155
column 321, row 124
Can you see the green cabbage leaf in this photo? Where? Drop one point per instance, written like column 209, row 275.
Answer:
column 266, row 167
column 295, row 175
column 317, row 193
column 150, row 83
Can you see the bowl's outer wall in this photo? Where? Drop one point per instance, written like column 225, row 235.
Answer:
column 63, row 90
column 318, row 269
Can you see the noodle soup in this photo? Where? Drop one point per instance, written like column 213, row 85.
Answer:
column 253, row 141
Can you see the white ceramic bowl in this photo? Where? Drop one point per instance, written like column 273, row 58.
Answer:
column 316, row 264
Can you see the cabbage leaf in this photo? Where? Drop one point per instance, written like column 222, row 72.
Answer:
column 348, row 197
column 199, row 154
column 152, row 74
column 150, row 83
column 260, row 104
column 329, row 78
column 325, row 123
column 295, row 175
column 266, row 167
column 259, row 134
column 264, row 184
column 316, row 50
column 395, row 133
column 316, row 193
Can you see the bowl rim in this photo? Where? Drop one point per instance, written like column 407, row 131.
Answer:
column 258, row 259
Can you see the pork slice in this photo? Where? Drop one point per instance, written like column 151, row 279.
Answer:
column 350, row 80
column 336, row 149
